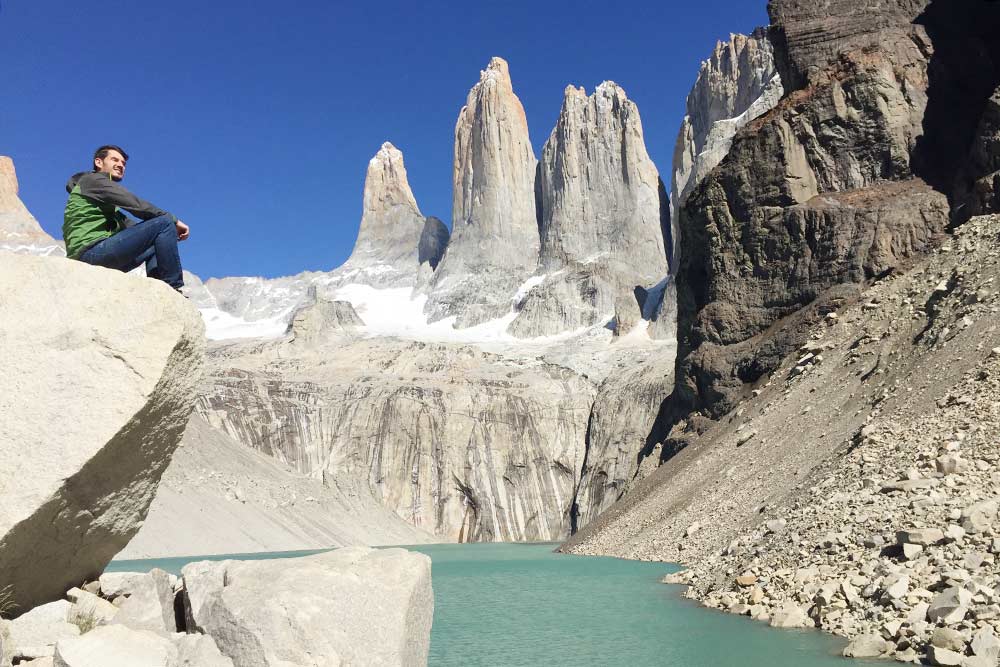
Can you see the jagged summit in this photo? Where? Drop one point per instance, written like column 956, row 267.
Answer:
column 737, row 83
column 601, row 226
column 494, row 244
column 19, row 231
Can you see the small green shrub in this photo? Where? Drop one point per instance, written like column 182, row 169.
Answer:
column 7, row 604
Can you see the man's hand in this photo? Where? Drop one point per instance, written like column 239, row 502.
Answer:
column 183, row 231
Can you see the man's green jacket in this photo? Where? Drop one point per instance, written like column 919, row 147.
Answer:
column 92, row 213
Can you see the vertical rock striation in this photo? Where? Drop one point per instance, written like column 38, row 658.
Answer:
column 19, row 231
column 494, row 245
column 602, row 226
column 461, row 443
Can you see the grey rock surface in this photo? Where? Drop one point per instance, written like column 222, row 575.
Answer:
column 387, row 251
column 738, row 83
column 349, row 606
column 464, row 444
column 319, row 319
column 35, row 633
column 71, row 332
column 602, row 225
column 149, row 604
column 494, row 242
column 19, row 231
column 120, row 646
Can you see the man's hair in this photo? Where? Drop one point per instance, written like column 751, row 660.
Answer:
column 103, row 151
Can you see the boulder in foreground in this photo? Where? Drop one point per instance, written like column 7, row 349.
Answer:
column 352, row 606
column 99, row 376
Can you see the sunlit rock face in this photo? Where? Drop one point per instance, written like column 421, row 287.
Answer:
column 19, row 231
column 388, row 250
column 494, row 244
column 602, row 217
column 461, row 443
column 738, row 82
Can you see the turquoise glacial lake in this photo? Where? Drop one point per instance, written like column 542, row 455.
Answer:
column 512, row 605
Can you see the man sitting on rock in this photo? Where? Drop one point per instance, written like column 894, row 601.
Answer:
column 97, row 232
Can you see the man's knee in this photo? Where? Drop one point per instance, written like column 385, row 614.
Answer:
column 162, row 223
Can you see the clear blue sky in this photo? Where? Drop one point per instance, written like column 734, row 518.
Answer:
column 254, row 122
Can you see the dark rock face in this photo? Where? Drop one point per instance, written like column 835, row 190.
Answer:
column 433, row 242
column 818, row 193
column 809, row 35
column 958, row 153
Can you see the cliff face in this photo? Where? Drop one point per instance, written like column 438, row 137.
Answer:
column 737, row 84
column 602, row 220
column 19, row 231
column 494, row 245
column 817, row 193
column 811, row 35
column 461, row 443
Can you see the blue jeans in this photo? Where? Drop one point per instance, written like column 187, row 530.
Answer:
column 152, row 241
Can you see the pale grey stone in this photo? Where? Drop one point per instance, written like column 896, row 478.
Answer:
column 602, row 220
column 921, row 536
column 943, row 656
column 948, row 638
column 116, row 646
column 790, row 615
column 271, row 613
column 72, row 332
column 150, row 604
column 494, row 243
column 34, row 634
column 866, row 646
column 195, row 650
column 89, row 610
column 985, row 644
column 949, row 606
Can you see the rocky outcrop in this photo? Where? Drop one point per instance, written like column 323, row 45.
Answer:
column 738, row 83
column 219, row 496
column 274, row 613
column 319, row 319
column 809, row 35
column 464, row 444
column 394, row 237
column 494, row 244
column 19, row 231
column 100, row 375
column 602, row 221
column 817, row 193
column 623, row 424
column 982, row 183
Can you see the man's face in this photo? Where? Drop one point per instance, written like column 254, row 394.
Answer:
column 113, row 163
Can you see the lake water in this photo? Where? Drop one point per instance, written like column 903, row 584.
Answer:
column 508, row 605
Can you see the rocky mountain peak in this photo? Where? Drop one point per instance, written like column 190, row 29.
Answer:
column 602, row 226
column 387, row 251
column 494, row 244
column 736, row 84
column 19, row 231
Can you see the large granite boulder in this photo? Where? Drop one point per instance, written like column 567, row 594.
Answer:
column 101, row 371
column 19, row 231
column 352, row 606
column 603, row 219
column 494, row 243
